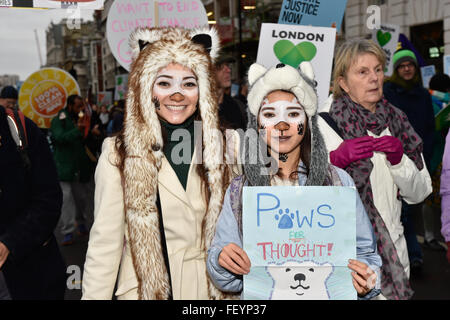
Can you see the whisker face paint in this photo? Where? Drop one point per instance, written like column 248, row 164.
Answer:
column 156, row 102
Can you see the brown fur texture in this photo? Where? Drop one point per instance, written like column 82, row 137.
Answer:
column 143, row 142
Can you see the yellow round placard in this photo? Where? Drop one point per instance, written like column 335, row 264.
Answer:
column 44, row 93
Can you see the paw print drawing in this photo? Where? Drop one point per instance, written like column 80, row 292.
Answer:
column 285, row 219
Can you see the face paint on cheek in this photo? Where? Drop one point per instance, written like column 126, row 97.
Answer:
column 156, row 103
column 300, row 129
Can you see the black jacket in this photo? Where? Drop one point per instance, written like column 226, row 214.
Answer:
column 30, row 207
column 417, row 105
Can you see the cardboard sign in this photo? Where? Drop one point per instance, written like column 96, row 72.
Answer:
column 44, row 93
column 121, row 86
column 292, row 45
column 126, row 15
column 299, row 240
column 320, row 13
column 387, row 37
column 427, row 73
column 104, row 98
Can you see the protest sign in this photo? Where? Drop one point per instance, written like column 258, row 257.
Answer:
column 299, row 241
column 126, row 15
column 427, row 73
column 104, row 98
column 292, row 45
column 387, row 37
column 447, row 65
column 319, row 13
column 44, row 93
column 121, row 86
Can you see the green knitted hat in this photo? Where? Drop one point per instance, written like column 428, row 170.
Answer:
column 402, row 56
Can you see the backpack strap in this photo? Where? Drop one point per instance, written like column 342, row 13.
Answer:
column 329, row 120
column 16, row 123
column 17, row 127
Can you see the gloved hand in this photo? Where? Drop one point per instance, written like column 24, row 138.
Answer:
column 448, row 251
column 392, row 147
column 352, row 150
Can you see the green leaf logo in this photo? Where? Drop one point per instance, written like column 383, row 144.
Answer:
column 383, row 37
column 293, row 55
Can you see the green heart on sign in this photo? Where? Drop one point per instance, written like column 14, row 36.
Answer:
column 293, row 55
column 383, row 37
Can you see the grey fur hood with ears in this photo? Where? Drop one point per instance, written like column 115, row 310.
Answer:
column 301, row 83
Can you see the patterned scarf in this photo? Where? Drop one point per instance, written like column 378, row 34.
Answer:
column 354, row 121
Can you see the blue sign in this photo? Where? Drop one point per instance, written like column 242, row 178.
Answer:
column 299, row 241
column 319, row 13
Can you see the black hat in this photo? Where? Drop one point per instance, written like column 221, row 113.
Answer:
column 225, row 58
column 9, row 92
column 440, row 82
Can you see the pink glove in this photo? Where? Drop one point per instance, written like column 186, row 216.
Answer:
column 392, row 147
column 352, row 150
column 448, row 251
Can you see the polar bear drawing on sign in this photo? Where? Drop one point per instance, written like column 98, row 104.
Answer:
column 300, row 281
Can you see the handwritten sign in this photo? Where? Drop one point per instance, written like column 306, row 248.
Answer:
column 387, row 37
column 292, row 45
column 104, row 98
column 44, row 93
column 320, row 13
column 427, row 73
column 126, row 15
column 299, row 240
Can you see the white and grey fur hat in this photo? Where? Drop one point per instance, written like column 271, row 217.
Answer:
column 301, row 83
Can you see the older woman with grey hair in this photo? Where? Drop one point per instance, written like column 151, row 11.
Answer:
column 375, row 143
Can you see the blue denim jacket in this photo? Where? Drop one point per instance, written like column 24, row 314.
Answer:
column 227, row 231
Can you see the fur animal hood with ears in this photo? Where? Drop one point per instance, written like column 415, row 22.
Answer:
column 152, row 50
column 301, row 83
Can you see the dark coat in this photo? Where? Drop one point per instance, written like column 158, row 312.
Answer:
column 417, row 105
column 232, row 113
column 30, row 207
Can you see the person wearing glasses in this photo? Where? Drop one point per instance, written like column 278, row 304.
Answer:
column 404, row 90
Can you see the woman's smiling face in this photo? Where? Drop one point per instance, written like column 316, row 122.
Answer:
column 176, row 92
column 282, row 121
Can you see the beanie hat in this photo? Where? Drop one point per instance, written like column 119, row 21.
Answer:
column 301, row 83
column 9, row 92
column 403, row 56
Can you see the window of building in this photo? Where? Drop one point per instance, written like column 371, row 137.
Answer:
column 428, row 39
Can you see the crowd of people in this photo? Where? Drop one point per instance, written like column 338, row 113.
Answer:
column 162, row 204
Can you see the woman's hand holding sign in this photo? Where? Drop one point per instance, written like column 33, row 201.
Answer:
column 234, row 259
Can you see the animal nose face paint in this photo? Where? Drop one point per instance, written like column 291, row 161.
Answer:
column 282, row 114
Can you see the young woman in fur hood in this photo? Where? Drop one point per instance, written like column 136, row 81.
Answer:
column 164, row 171
column 282, row 104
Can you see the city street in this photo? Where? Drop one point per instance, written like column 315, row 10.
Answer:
column 433, row 284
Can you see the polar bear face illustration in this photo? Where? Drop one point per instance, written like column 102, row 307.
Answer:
column 300, row 281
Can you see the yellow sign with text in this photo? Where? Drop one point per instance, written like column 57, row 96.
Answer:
column 45, row 93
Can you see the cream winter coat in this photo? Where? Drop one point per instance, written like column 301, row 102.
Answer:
column 109, row 250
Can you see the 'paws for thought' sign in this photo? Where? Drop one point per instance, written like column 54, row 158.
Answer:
column 299, row 241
